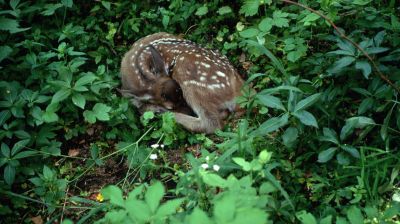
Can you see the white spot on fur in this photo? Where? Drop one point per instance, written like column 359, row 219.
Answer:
column 221, row 74
column 205, row 65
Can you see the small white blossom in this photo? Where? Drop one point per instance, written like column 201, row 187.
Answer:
column 154, row 146
column 162, row 146
column 153, row 156
column 207, row 158
column 216, row 167
column 204, row 166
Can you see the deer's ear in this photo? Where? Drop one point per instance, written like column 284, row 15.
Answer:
column 158, row 62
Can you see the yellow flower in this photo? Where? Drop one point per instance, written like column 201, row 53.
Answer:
column 99, row 197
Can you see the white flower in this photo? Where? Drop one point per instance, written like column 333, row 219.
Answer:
column 154, row 146
column 153, row 156
column 204, row 166
column 207, row 158
column 216, row 167
column 162, row 146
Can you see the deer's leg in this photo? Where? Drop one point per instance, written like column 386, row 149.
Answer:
column 197, row 124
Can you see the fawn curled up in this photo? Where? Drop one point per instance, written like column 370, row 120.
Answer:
column 162, row 72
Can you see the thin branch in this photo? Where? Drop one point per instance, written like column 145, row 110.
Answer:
column 342, row 35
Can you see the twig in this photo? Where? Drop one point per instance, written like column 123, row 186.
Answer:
column 342, row 35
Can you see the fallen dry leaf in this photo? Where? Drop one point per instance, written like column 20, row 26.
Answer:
column 37, row 220
column 73, row 152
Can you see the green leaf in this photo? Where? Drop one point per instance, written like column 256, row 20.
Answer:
column 49, row 116
column 5, row 51
column 365, row 67
column 243, row 163
column 306, row 118
column 326, row 155
column 273, row 124
column 51, row 9
column 224, row 208
column 279, row 19
column 250, row 7
column 354, row 122
column 329, row 136
column 343, row 159
column 4, row 116
column 385, row 125
column 79, row 100
column 25, row 154
column 201, row 11
column 290, row 136
column 270, row 101
column 67, row 3
column 9, row 174
column 134, row 206
column 354, row 215
column 326, row 220
column 311, row 17
column 342, row 63
column 307, row 102
column 114, row 194
column 101, row 111
column 5, row 150
column 361, row 2
column 61, row 95
column 224, row 10
column 85, row 79
column 248, row 33
column 10, row 25
column 198, row 216
column 154, row 195
column 214, row 180
column 265, row 25
column 306, row 218
column 89, row 116
column 351, row 150
column 106, row 5
column 169, row 208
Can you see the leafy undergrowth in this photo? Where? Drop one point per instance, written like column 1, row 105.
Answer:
column 319, row 142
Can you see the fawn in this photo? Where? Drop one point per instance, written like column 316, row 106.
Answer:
column 164, row 72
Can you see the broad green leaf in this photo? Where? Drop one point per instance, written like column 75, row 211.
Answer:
column 224, row 10
column 329, row 136
column 361, row 2
column 365, row 67
column 25, row 154
column 134, row 206
column 250, row 7
column 354, row 215
column 9, row 174
column 48, row 174
column 326, row 220
column 49, row 116
column 243, row 163
column 343, row 158
column 51, row 9
column 273, row 124
column 201, row 11
column 311, row 17
column 354, row 122
column 351, row 150
column 4, row 116
column 265, row 25
column 153, row 195
column 79, row 100
column 342, row 63
column 376, row 50
column 306, row 118
column 365, row 105
column 114, row 194
column 280, row 19
column 290, row 136
column 19, row 145
column 307, row 102
column 89, row 116
column 10, row 25
column 224, row 208
column 61, row 95
column 5, row 51
column 326, row 155
column 5, row 150
column 214, row 180
column 198, row 216
column 306, row 218
column 67, row 3
column 85, row 79
column 106, row 4
column 271, row 101
column 101, row 111
column 168, row 208
column 248, row 33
